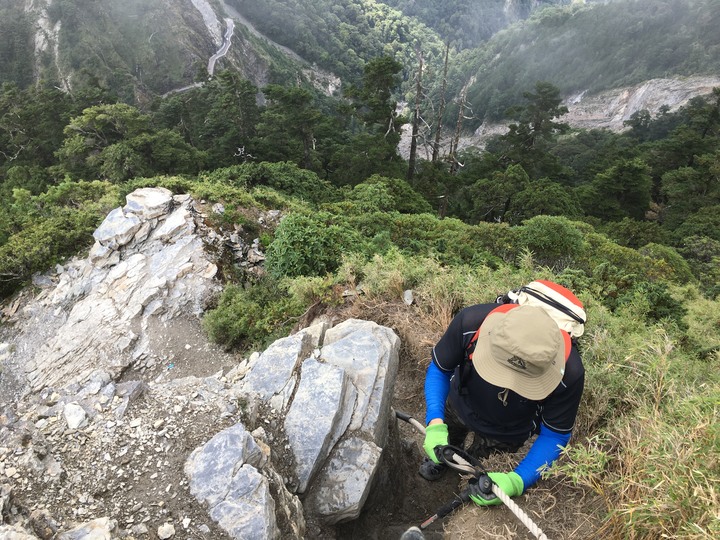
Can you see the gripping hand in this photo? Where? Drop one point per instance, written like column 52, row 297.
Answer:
column 435, row 435
column 481, row 491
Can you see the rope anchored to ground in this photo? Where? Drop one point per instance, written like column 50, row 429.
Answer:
column 459, row 460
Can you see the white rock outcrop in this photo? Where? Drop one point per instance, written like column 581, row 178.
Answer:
column 147, row 263
column 85, row 444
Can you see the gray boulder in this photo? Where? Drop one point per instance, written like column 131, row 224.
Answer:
column 344, row 485
column 149, row 263
column 337, row 417
column 319, row 415
column 224, row 474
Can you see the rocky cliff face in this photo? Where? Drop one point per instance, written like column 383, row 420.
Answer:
column 172, row 44
column 151, row 47
column 605, row 110
column 611, row 108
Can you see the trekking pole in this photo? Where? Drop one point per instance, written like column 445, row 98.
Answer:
column 447, row 508
column 465, row 466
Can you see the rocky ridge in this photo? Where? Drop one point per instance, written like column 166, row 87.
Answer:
column 126, row 423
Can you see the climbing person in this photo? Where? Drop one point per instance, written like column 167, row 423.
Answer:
column 505, row 373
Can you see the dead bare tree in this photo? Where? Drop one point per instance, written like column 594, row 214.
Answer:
column 452, row 154
column 441, row 107
column 416, row 118
column 452, row 157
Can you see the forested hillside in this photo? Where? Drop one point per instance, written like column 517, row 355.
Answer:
column 593, row 47
column 465, row 24
column 341, row 35
column 130, row 49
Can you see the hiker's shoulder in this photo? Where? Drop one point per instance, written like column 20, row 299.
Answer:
column 471, row 317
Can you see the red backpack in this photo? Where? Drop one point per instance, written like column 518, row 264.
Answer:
column 558, row 301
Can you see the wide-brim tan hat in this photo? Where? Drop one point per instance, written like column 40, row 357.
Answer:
column 520, row 347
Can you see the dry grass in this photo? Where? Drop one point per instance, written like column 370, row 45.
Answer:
column 644, row 462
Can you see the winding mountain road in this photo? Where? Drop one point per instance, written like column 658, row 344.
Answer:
column 222, row 51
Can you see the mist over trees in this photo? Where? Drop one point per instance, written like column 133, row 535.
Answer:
column 594, row 47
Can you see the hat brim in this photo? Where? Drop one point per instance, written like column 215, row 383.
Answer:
column 535, row 387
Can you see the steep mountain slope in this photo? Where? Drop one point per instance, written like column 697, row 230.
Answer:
column 591, row 48
column 133, row 48
column 466, row 23
column 142, row 48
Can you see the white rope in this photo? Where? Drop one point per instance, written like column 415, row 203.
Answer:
column 514, row 508
column 499, row 493
column 519, row 513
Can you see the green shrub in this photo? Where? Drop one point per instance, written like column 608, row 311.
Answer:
column 44, row 243
column 678, row 269
column 634, row 234
column 307, row 245
column 39, row 231
column 656, row 303
column 33, row 178
column 404, row 198
column 373, row 197
column 285, row 177
column 703, row 335
column 554, row 240
column 542, row 197
column 253, row 316
column 703, row 255
column 450, row 240
column 705, row 222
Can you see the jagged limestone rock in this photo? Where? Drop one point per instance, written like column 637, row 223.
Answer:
column 97, row 529
column 337, row 421
column 343, row 487
column 318, row 416
column 149, row 203
column 148, row 262
column 369, row 354
column 316, row 331
column 14, row 532
column 248, row 510
column 224, row 474
column 273, row 372
column 117, row 229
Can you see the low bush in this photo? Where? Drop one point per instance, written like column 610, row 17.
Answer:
column 677, row 269
column 253, row 316
column 404, row 198
column 655, row 302
column 309, row 245
column 49, row 227
column 554, row 240
column 285, row 177
column 650, row 414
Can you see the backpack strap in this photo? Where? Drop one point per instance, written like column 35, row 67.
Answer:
column 465, row 369
column 554, row 303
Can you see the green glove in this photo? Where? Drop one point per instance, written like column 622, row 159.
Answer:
column 435, row 435
column 481, row 492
